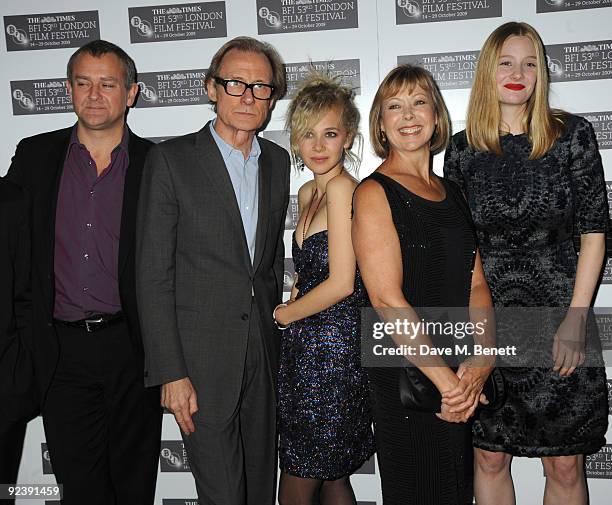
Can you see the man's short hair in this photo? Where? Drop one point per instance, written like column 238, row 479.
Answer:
column 99, row 48
column 251, row 45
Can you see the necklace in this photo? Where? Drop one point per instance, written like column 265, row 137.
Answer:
column 305, row 228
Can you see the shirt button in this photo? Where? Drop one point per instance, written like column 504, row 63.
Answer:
column 245, row 317
column 85, row 289
column 86, row 256
column 91, row 192
column 88, row 225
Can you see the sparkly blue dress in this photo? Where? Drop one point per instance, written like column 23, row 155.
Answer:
column 324, row 413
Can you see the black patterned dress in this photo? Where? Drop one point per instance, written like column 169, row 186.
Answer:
column 526, row 212
column 324, row 418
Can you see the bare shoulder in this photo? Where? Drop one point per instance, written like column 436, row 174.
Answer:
column 342, row 185
column 369, row 192
column 305, row 192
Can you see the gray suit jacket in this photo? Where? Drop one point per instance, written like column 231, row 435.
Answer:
column 194, row 278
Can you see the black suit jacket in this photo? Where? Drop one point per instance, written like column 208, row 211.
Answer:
column 16, row 375
column 37, row 167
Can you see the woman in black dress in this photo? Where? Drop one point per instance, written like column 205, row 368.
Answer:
column 532, row 177
column 415, row 247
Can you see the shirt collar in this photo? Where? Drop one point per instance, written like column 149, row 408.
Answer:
column 122, row 146
column 227, row 149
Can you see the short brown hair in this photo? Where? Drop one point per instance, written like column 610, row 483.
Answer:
column 97, row 49
column 408, row 77
column 316, row 96
column 251, row 45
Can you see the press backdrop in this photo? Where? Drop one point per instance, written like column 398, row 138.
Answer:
column 172, row 42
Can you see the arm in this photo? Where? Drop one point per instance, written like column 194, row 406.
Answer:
column 279, row 258
column 590, row 221
column 473, row 372
column 157, row 221
column 22, row 265
column 294, row 290
column 378, row 254
column 341, row 280
column 16, row 172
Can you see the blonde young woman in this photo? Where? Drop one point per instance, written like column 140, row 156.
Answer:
column 532, row 177
column 324, row 414
column 416, row 248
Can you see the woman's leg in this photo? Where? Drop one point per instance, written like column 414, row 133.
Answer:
column 337, row 492
column 298, row 491
column 565, row 482
column 492, row 478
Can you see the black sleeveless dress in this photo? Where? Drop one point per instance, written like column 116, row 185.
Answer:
column 525, row 212
column 422, row 459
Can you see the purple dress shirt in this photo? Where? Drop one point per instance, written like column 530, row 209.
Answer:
column 87, row 228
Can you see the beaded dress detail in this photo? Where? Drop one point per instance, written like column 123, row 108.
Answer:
column 324, row 412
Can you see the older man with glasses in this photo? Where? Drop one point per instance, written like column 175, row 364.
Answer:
column 209, row 272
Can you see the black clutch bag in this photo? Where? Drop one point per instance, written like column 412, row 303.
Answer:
column 417, row 392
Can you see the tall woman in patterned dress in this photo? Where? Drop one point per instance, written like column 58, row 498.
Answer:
column 324, row 414
column 533, row 175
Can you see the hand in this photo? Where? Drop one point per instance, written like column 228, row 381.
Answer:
column 468, row 393
column 568, row 344
column 452, row 417
column 280, row 316
column 179, row 397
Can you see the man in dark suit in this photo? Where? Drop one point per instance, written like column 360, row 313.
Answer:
column 210, row 272
column 17, row 395
column 102, row 426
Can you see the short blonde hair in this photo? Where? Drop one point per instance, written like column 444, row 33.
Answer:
column 408, row 77
column 540, row 122
column 315, row 97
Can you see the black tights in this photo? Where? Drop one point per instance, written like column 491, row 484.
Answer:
column 298, row 491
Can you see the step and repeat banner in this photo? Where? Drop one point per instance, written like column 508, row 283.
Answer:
column 172, row 43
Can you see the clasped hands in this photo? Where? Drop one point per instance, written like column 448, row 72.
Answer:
column 460, row 402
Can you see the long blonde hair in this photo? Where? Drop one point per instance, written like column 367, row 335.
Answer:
column 542, row 124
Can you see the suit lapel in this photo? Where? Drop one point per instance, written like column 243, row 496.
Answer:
column 52, row 172
column 212, row 164
column 131, row 187
column 263, row 213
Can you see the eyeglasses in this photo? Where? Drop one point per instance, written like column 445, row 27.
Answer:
column 234, row 87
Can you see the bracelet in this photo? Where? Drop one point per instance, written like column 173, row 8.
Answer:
column 274, row 316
